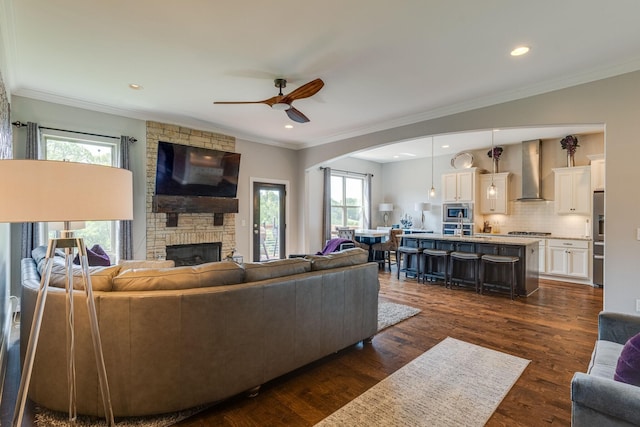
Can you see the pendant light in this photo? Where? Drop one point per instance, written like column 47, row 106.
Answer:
column 432, row 192
column 492, row 190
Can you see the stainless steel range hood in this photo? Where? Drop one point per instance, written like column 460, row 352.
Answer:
column 531, row 171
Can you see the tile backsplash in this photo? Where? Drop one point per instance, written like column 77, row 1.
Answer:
column 540, row 217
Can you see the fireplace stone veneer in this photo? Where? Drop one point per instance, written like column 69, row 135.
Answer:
column 192, row 228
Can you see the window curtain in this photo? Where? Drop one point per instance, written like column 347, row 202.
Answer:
column 326, row 205
column 30, row 234
column 125, row 232
column 366, row 203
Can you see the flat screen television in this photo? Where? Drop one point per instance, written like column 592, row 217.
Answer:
column 182, row 170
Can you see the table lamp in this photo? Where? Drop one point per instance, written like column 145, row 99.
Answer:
column 55, row 191
column 386, row 208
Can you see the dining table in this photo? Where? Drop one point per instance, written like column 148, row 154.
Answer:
column 371, row 237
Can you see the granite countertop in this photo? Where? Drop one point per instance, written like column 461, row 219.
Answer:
column 552, row 236
column 487, row 238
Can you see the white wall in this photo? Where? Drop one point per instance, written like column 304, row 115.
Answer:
column 266, row 163
column 614, row 102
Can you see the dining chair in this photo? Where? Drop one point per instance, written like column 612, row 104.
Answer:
column 388, row 247
column 350, row 233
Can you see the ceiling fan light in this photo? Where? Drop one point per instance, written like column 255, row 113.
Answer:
column 281, row 106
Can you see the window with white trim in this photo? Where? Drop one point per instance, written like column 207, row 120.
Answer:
column 63, row 148
column 347, row 201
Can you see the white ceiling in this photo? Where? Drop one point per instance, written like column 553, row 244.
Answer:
column 385, row 63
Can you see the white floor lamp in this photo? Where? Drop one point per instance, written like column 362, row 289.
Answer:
column 53, row 191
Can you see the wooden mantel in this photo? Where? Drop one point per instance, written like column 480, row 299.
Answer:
column 174, row 205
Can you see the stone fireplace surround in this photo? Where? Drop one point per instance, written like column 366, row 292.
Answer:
column 192, row 228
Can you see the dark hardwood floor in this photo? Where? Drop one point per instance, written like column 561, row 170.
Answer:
column 555, row 328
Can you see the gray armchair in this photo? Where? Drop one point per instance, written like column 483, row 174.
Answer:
column 596, row 399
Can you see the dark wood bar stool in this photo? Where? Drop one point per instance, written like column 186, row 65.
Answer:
column 499, row 260
column 406, row 255
column 432, row 260
column 465, row 258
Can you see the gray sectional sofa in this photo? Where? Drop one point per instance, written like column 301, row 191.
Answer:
column 596, row 398
column 175, row 338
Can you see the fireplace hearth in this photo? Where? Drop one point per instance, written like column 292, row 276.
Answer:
column 194, row 254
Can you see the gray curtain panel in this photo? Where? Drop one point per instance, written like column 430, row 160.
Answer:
column 367, row 201
column 126, row 236
column 30, row 235
column 326, row 205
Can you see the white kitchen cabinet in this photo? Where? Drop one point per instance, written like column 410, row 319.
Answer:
column 597, row 172
column 500, row 205
column 573, row 190
column 566, row 257
column 542, row 256
column 459, row 186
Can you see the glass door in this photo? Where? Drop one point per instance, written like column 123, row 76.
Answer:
column 268, row 221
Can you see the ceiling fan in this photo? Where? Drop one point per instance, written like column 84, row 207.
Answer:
column 283, row 102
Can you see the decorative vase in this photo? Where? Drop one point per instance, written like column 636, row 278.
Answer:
column 570, row 160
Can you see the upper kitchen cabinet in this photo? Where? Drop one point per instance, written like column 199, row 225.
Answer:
column 573, row 190
column 597, row 172
column 459, row 186
column 500, row 205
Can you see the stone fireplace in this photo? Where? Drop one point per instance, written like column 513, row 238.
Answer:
column 191, row 228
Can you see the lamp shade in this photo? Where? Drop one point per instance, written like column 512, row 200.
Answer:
column 385, row 207
column 422, row 206
column 46, row 190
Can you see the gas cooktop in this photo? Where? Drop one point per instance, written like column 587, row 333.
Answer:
column 529, row 233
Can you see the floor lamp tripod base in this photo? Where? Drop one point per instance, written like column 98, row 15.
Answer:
column 68, row 243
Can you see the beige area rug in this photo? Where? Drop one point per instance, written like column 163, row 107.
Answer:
column 453, row 384
column 390, row 313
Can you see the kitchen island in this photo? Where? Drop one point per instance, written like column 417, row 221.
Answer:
column 524, row 248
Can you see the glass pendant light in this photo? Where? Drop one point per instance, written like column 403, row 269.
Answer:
column 432, row 192
column 492, row 190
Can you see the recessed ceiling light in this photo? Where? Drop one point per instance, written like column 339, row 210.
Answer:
column 135, row 86
column 445, row 146
column 288, row 126
column 520, row 50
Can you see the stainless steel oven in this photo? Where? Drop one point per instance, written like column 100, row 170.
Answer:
column 456, row 212
column 455, row 229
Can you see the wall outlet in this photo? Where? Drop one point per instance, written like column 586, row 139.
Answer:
column 638, row 305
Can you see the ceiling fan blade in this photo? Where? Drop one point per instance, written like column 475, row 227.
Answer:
column 304, row 91
column 269, row 102
column 296, row 115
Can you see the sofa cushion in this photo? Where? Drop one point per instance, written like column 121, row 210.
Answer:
column 628, row 367
column 101, row 277
column 187, row 277
column 128, row 264
column 40, row 252
column 345, row 258
column 604, row 359
column 255, row 271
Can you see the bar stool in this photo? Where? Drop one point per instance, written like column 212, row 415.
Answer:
column 464, row 258
column 499, row 260
column 432, row 258
column 406, row 254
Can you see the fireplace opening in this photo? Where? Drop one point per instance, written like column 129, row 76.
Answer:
column 194, row 254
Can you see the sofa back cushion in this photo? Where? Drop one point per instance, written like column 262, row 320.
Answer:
column 127, row 264
column 345, row 258
column 101, row 277
column 187, row 277
column 255, row 271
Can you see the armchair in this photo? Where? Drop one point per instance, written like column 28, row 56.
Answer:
column 596, row 398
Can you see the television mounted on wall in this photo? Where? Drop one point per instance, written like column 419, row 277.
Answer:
column 182, row 170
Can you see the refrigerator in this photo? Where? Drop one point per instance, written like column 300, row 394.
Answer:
column 598, row 238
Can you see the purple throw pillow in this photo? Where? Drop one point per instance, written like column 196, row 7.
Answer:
column 628, row 368
column 95, row 256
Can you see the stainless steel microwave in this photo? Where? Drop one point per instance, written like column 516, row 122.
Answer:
column 454, row 212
